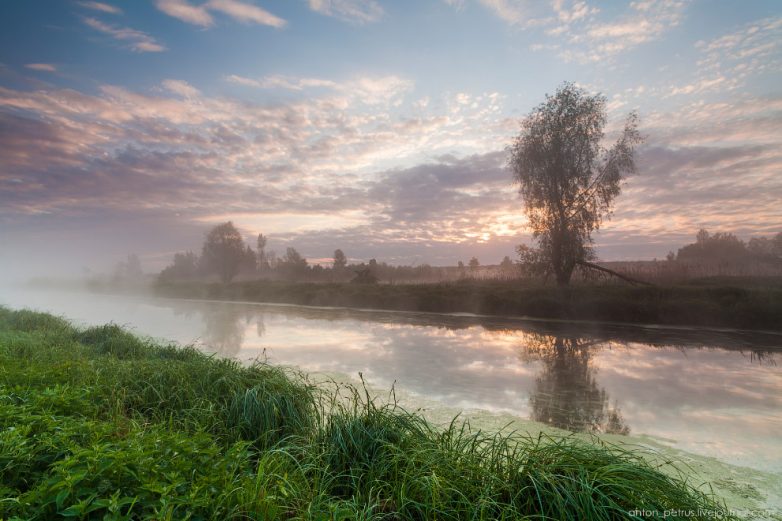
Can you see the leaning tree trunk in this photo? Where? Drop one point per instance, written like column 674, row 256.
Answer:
column 597, row 267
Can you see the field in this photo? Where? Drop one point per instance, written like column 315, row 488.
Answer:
column 99, row 424
column 746, row 303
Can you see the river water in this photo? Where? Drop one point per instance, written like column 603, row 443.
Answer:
column 712, row 393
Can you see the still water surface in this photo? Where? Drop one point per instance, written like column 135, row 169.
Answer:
column 712, row 393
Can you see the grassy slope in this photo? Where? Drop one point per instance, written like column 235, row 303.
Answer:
column 720, row 303
column 98, row 424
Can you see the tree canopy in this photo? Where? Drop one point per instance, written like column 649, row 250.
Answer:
column 223, row 251
column 567, row 179
column 340, row 260
column 726, row 247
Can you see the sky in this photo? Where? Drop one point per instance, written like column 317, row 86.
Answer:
column 376, row 126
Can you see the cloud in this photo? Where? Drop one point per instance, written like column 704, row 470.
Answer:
column 453, row 200
column 456, row 4
column 706, row 165
column 137, row 40
column 365, row 89
column 186, row 12
column 130, row 137
column 397, row 179
column 682, row 189
column 281, row 82
column 569, row 12
column 432, row 191
column 43, row 67
column 578, row 31
column 102, row 7
column 353, row 11
column 730, row 61
column 644, row 22
column 181, row 88
column 514, row 12
column 530, row 13
column 246, row 12
column 756, row 39
column 74, row 155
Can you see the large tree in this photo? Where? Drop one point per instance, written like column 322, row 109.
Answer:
column 223, row 251
column 567, row 179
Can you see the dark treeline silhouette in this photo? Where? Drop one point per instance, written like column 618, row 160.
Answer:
column 726, row 247
column 712, row 255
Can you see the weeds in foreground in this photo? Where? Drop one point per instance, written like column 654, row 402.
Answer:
column 99, row 424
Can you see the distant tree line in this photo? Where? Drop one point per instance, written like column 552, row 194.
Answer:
column 225, row 256
column 725, row 247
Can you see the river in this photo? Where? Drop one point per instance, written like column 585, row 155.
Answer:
column 711, row 393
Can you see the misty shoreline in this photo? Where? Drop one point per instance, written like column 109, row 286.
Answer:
column 715, row 307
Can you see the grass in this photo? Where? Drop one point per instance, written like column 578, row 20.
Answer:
column 100, row 424
column 723, row 302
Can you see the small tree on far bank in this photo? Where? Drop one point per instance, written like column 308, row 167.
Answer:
column 185, row 266
column 292, row 264
column 223, row 251
column 567, row 180
column 340, row 261
column 263, row 262
column 474, row 265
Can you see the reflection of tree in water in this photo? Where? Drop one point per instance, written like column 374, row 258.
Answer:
column 260, row 325
column 566, row 393
column 226, row 325
column 224, row 331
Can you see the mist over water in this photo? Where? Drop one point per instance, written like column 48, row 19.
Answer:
column 712, row 393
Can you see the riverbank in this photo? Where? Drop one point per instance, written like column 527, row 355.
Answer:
column 720, row 303
column 97, row 422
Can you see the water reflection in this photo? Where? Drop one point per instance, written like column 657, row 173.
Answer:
column 566, row 393
column 224, row 326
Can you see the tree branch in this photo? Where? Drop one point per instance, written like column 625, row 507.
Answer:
column 597, row 267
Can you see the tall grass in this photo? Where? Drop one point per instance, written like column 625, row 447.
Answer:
column 99, row 424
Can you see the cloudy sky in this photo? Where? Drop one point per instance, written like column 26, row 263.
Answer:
column 375, row 126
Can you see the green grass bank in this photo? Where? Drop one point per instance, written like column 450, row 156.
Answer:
column 725, row 303
column 99, row 424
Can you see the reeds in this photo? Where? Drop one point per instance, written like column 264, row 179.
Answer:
column 99, row 424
